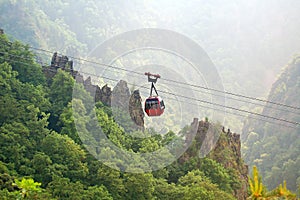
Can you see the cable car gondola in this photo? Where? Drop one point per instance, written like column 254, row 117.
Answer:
column 154, row 105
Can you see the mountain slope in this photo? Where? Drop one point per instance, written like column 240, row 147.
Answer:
column 46, row 160
column 275, row 149
column 27, row 21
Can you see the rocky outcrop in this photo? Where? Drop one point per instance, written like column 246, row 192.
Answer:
column 120, row 96
column 222, row 146
column 127, row 107
column 60, row 62
column 227, row 151
column 105, row 95
column 136, row 109
column 1, row 31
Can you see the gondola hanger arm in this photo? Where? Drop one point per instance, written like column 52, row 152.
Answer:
column 152, row 77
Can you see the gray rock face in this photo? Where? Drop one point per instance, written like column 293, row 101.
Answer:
column 136, row 109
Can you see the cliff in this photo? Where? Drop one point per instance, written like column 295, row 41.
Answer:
column 136, row 110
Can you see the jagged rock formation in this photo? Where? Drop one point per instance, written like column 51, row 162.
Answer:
column 105, row 95
column 60, row 62
column 101, row 94
column 127, row 107
column 136, row 109
column 120, row 96
column 92, row 89
column 222, row 146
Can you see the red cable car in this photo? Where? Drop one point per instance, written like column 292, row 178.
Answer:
column 154, row 105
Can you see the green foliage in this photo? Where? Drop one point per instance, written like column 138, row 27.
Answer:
column 28, row 186
column 63, row 188
column 68, row 118
column 139, row 186
column 41, row 165
column 23, row 122
column 284, row 192
column 123, row 118
column 17, row 97
column 111, row 129
column 164, row 190
column 66, row 154
column 6, row 195
column 149, row 143
column 198, row 186
column 6, row 182
column 61, row 91
column 22, row 61
column 259, row 191
column 68, row 124
column 10, row 134
column 217, row 174
column 97, row 193
column 112, row 180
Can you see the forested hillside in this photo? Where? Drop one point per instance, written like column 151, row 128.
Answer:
column 42, row 156
column 275, row 149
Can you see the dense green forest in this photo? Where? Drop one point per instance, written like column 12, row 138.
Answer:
column 42, row 156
